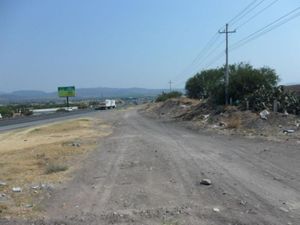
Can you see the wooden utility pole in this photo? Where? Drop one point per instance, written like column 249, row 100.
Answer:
column 170, row 83
column 226, row 32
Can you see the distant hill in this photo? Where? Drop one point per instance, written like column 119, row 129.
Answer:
column 295, row 88
column 81, row 93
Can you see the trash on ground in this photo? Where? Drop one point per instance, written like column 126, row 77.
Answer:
column 205, row 182
column 288, row 131
column 216, row 209
column 263, row 114
column 17, row 189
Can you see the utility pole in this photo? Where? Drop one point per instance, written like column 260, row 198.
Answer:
column 226, row 32
column 170, row 83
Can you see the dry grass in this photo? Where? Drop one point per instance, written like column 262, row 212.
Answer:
column 55, row 168
column 234, row 121
column 43, row 154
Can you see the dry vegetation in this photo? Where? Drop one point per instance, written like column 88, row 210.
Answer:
column 42, row 155
column 198, row 114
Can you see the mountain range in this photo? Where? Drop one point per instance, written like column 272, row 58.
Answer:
column 81, row 93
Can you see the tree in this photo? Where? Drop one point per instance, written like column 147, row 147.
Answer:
column 204, row 84
column 243, row 80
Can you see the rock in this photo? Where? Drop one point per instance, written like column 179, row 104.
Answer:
column 216, row 209
column 17, row 189
column 36, row 187
column 205, row 182
column 3, row 197
column 2, row 183
column 222, row 124
column 28, row 206
column 243, row 202
column 284, row 209
column 75, row 144
column 206, row 116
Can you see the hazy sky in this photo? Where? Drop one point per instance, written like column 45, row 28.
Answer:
column 133, row 43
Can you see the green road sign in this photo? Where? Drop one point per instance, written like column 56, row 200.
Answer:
column 66, row 91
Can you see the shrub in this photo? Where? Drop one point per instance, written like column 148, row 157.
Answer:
column 165, row 96
column 234, row 122
column 55, row 168
column 243, row 81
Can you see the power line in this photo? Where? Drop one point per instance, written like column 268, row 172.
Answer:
column 200, row 55
column 266, row 29
column 214, row 60
column 202, row 62
column 258, row 13
column 208, row 49
column 240, row 13
column 247, row 12
column 271, row 26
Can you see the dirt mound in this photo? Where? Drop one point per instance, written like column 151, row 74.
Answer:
column 172, row 108
column 227, row 119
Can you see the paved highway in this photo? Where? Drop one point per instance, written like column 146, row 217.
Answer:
column 21, row 122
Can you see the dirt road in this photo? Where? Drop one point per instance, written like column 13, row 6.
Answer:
column 149, row 172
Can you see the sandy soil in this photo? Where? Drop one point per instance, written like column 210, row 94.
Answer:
column 30, row 158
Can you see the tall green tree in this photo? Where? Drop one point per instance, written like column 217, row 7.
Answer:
column 204, row 84
column 243, row 80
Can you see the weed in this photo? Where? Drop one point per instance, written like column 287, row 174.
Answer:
column 55, row 168
column 170, row 223
column 2, row 208
column 234, row 122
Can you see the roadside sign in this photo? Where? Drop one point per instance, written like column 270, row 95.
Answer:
column 66, row 91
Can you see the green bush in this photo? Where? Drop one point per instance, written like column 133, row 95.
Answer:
column 55, row 168
column 165, row 96
column 243, row 81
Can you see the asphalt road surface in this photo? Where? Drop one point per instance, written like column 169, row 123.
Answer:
column 148, row 172
column 27, row 121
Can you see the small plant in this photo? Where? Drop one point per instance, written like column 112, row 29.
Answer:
column 170, row 223
column 55, row 168
column 234, row 122
column 165, row 96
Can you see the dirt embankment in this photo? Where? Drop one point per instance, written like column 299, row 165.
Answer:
column 198, row 114
column 34, row 160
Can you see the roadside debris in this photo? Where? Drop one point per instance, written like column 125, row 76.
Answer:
column 3, row 197
column 205, row 182
column 242, row 202
column 284, row 209
column 285, row 114
column 216, row 209
column 74, row 144
column 222, row 124
column 28, row 206
column 17, row 189
column 263, row 114
column 288, row 131
column 2, row 183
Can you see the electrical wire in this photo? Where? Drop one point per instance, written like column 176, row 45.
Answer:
column 243, row 11
column 266, row 29
column 212, row 43
column 257, row 14
column 247, row 12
